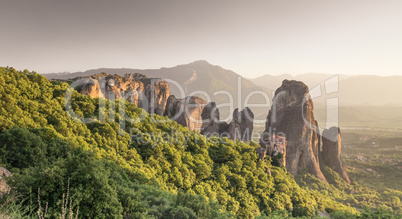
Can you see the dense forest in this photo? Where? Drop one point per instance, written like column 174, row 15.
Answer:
column 100, row 170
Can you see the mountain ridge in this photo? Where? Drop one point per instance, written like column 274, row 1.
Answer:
column 210, row 79
column 353, row 90
column 355, row 95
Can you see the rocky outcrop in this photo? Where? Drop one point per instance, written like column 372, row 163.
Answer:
column 157, row 95
column 194, row 113
column 92, row 88
column 331, row 151
column 240, row 128
column 210, row 117
column 275, row 146
column 151, row 94
column 292, row 116
column 186, row 112
column 4, row 188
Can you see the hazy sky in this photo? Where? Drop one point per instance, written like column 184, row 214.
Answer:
column 251, row 38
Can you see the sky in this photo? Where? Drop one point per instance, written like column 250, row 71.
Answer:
column 252, row 38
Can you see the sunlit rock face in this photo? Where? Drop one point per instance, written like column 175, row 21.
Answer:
column 151, row 94
column 186, row 111
column 241, row 126
column 91, row 87
column 292, row 116
column 331, row 151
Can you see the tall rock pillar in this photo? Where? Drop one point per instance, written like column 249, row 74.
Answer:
column 331, row 151
column 292, row 116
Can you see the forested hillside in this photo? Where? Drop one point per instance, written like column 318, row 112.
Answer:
column 110, row 175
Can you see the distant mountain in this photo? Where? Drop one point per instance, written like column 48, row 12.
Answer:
column 352, row 91
column 364, row 116
column 193, row 77
column 310, row 79
column 364, row 100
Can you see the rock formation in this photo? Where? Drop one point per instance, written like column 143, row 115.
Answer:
column 186, row 111
column 240, row 128
column 147, row 93
column 292, row 116
column 91, row 87
column 330, row 154
column 275, row 146
column 157, row 95
column 153, row 96
column 4, row 188
column 210, row 117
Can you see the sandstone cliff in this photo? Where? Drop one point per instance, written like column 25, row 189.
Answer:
column 147, row 93
column 210, row 117
column 153, row 95
column 186, row 111
column 292, row 116
column 331, row 151
column 240, row 128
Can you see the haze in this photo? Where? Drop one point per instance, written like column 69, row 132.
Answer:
column 250, row 38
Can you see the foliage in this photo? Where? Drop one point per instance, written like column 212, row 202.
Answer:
column 149, row 167
column 354, row 195
column 366, row 213
column 371, row 159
